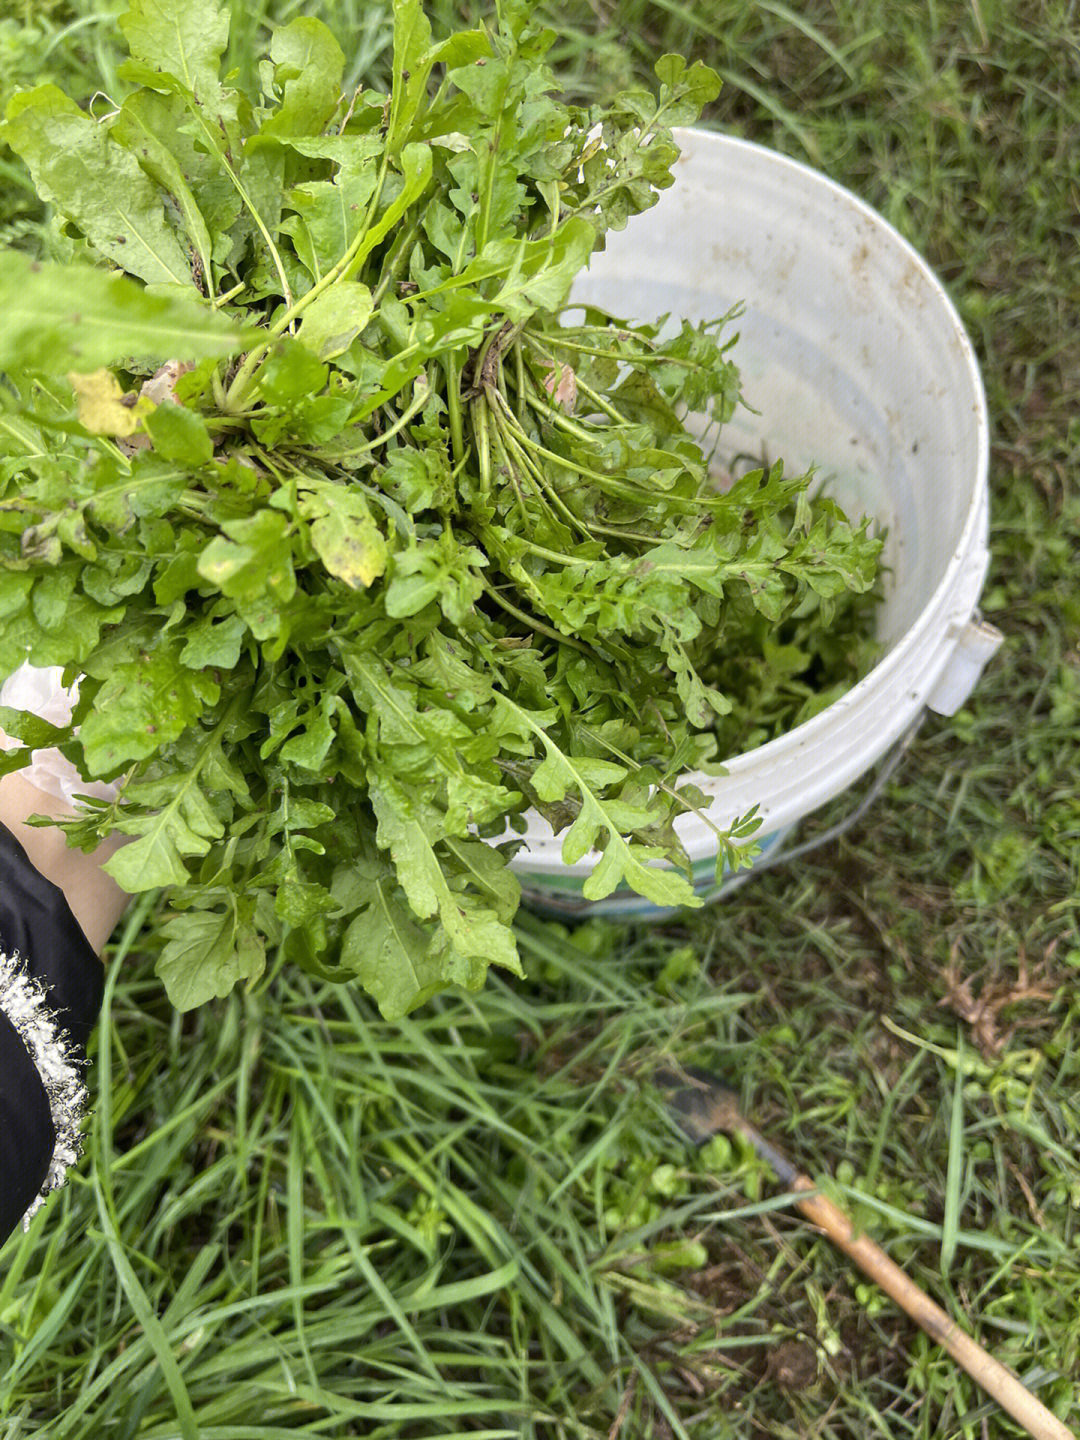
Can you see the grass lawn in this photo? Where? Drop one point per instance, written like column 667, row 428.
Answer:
column 480, row 1223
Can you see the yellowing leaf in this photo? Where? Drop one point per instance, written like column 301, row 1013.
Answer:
column 344, row 533
column 104, row 407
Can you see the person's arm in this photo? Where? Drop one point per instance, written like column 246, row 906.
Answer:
column 57, row 910
column 96, row 901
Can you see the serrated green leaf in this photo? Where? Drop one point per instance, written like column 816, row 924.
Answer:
column 206, row 954
column 329, row 213
column 251, row 558
column 211, row 641
column 389, row 953
column 685, row 91
column 473, row 931
column 140, row 126
column 311, row 746
column 143, row 705
column 487, row 872
column 52, row 597
column 22, row 638
column 299, row 901
column 156, row 858
column 621, row 861
column 442, row 570
column 550, row 779
column 532, row 274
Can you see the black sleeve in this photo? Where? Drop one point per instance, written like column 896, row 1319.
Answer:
column 27, row 1134
column 37, row 926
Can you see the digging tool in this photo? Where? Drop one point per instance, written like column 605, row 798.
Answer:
column 703, row 1106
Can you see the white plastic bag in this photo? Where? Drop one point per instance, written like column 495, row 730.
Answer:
column 41, row 691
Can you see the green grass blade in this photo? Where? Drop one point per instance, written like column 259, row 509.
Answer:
column 954, row 1175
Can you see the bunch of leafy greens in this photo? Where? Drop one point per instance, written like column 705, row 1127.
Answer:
column 361, row 548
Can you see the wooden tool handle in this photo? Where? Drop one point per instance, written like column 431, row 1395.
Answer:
column 996, row 1379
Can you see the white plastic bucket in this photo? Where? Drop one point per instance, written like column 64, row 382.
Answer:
column 856, row 362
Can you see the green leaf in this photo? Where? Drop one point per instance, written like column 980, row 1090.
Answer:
column 335, row 318
column 156, row 858
column 180, row 435
column 621, row 861
column 206, row 954
column 251, row 558
column 34, row 732
column 534, row 274
column 486, row 871
column 475, row 937
column 309, row 65
column 443, row 569
column 213, row 642
column 684, row 93
column 552, row 777
column 299, row 902
column 413, row 59
column 144, row 119
column 389, row 952
column 415, row 160
column 419, row 479
column 182, row 38
column 329, row 213
column 23, row 638
column 177, row 809
column 161, row 133
column 97, row 184
column 291, row 373
column 310, row 747
column 63, row 317
column 143, row 705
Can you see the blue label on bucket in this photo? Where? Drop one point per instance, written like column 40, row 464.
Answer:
column 560, row 894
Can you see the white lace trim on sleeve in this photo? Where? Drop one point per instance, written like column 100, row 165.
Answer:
column 24, row 1000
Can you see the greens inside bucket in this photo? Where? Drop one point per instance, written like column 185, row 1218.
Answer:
column 362, row 543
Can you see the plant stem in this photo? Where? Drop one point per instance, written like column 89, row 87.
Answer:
column 395, row 262
column 533, row 624
column 513, row 435
column 242, row 380
column 452, row 368
column 597, row 399
column 508, row 465
column 483, row 453
column 522, row 382
column 399, row 424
